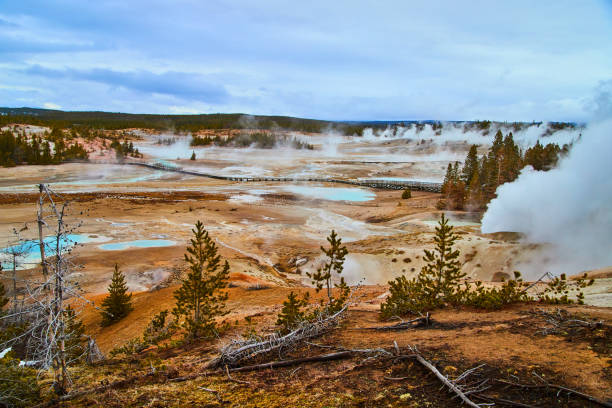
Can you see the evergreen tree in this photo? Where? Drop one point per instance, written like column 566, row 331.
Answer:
column 193, row 155
column 118, row 302
column 448, row 179
column 470, row 167
column 291, row 315
column 200, row 299
column 406, row 194
column 75, row 342
column 511, row 160
column 441, row 275
column 437, row 283
column 323, row 276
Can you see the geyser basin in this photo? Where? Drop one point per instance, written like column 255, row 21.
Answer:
column 332, row 193
column 140, row 243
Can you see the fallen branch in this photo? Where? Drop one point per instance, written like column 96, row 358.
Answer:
column 423, row 321
column 560, row 320
column 229, row 377
column 287, row 363
column 450, row 384
column 560, row 388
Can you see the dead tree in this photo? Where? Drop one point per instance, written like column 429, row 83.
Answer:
column 49, row 341
column 239, row 351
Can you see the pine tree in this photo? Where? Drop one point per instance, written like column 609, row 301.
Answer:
column 406, row 194
column 511, row 160
column 75, row 341
column 438, row 282
column 118, row 302
column 200, row 299
column 291, row 315
column 193, row 155
column 323, row 276
column 470, row 167
column 448, row 179
column 442, row 273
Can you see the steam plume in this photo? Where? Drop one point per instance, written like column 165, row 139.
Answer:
column 568, row 208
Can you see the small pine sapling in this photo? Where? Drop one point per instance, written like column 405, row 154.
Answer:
column 292, row 313
column 442, row 274
column 406, row 194
column 336, row 255
column 559, row 290
column 437, row 284
column 118, row 303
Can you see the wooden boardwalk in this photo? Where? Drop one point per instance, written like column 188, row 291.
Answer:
column 378, row 184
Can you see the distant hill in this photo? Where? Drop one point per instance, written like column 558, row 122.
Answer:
column 114, row 120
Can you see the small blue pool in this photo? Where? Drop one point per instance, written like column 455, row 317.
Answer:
column 139, row 243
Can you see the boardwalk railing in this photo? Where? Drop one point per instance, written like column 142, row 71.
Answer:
column 378, row 184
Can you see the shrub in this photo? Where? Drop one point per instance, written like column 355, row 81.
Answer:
column 18, row 385
column 559, row 290
column 406, row 194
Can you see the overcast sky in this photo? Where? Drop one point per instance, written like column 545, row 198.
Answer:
column 331, row 59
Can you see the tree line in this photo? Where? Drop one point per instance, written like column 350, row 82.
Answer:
column 473, row 185
column 47, row 149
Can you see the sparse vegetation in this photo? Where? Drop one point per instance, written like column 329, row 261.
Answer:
column 439, row 284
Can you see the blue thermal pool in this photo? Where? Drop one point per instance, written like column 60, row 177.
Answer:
column 140, row 243
column 332, row 193
column 29, row 251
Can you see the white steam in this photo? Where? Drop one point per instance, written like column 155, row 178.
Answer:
column 568, row 208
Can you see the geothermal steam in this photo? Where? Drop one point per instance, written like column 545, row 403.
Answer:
column 568, row 208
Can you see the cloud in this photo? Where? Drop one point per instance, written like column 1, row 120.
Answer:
column 182, row 84
column 332, row 60
column 51, row 105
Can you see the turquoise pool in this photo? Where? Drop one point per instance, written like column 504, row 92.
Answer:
column 139, row 243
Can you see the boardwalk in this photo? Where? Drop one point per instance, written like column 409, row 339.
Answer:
column 378, row 184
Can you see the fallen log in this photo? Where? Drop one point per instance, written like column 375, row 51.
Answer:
column 287, row 363
column 423, row 321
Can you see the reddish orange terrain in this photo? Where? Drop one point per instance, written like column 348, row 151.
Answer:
column 523, row 354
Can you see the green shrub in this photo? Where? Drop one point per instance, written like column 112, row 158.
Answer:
column 18, row 385
column 559, row 290
column 406, row 194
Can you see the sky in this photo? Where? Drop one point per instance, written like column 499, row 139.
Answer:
column 336, row 60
